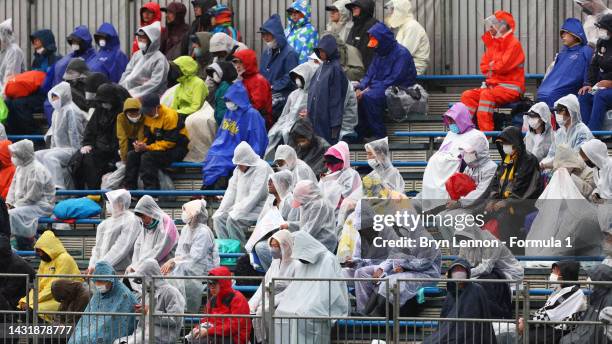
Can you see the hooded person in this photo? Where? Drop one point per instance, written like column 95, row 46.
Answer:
column 300, row 33
column 342, row 180
column 92, row 82
column 325, row 298
column 327, row 92
column 98, row 153
column 130, row 127
column 540, row 133
column 176, row 29
column 594, row 10
column 596, row 154
column 196, row 253
column 297, row 102
column 64, row 136
column 167, row 300
column 392, row 65
column 109, row 59
column 570, row 66
column 340, row 19
column 256, row 84
column 283, row 266
column 110, row 296
column 45, row 50
column 463, row 300
column 363, row 20
column 7, row 168
column 223, row 75
column 191, row 91
column 502, row 64
column 32, row 192
column 572, row 131
column 223, row 46
column 75, row 75
column 350, row 59
column 12, row 59
column 581, row 175
column 379, row 159
column 116, row 235
column 200, row 51
column 55, row 260
column 150, row 13
column 276, row 61
column 73, row 296
column 240, row 123
column 408, row 32
column 148, row 68
column 309, row 147
column 286, row 159
column 12, row 288
column 157, row 237
column 245, row 195
column 202, row 21
column 222, row 21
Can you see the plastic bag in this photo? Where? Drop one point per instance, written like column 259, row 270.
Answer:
column 113, row 180
column 459, row 185
column 202, row 129
column 228, row 246
column 24, row 84
column 403, row 102
column 76, row 208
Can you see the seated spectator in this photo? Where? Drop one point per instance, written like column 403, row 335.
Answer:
column 45, row 51
column 350, row 59
column 286, row 159
column 296, row 105
column 593, row 10
column 223, row 47
column 130, row 127
column 116, row 235
column 31, row 195
column 110, row 296
column 325, row 298
column 12, row 59
column 196, row 253
column 363, row 21
column 516, row 182
column 494, row 262
column 7, row 168
column 221, row 20
column 283, row 266
column 340, row 20
column 245, row 62
column 54, row 260
column 223, row 300
column 572, row 131
column 12, row 288
column 309, row 147
column 540, row 133
column 150, row 13
column 300, row 33
column 463, row 300
column 342, row 180
column 580, row 173
column 176, row 29
column 240, row 123
column 277, row 60
column 109, row 59
column 245, row 195
column 165, row 142
column 595, row 96
column 98, row 153
column 379, row 159
column 200, row 51
column 191, row 91
column 158, row 235
column 75, row 75
column 595, row 155
column 64, row 136
column 502, row 65
column 392, row 65
column 92, row 82
column 598, row 301
column 408, row 32
column 72, row 296
column 570, row 66
column 223, row 75
column 148, row 68
column 168, row 301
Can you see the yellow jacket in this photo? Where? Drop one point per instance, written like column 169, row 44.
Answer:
column 61, row 263
column 128, row 132
column 161, row 133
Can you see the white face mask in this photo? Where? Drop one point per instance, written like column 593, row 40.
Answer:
column 507, row 149
column 40, row 51
column 459, row 275
column 554, row 277
column 534, row 123
column 185, row 218
column 271, row 44
column 57, row 104
column 107, row 106
column 90, row 95
column 373, row 163
column 560, row 120
column 603, row 34
column 298, row 83
column 102, row 288
column 134, row 119
column 469, row 157
column 142, row 46
column 75, row 47
column 216, row 78
column 15, row 161
column 102, row 43
column 231, row 106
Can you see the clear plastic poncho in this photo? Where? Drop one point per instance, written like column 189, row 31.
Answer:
column 12, row 60
column 539, row 144
column 300, row 170
column 340, row 184
column 383, row 167
column 597, row 152
column 581, row 175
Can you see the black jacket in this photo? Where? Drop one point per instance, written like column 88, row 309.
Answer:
column 601, row 64
column 12, row 288
column 199, row 24
column 313, row 155
column 358, row 36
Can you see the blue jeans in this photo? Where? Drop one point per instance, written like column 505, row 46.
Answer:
column 593, row 108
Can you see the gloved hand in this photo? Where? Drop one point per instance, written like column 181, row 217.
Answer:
column 86, row 149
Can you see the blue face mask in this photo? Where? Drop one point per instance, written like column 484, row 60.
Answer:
column 454, row 128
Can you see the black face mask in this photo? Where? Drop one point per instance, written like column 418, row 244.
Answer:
column 44, row 257
column 590, row 164
column 304, row 261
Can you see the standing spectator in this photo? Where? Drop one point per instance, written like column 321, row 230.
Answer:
column 392, row 66
column 223, row 47
column 31, row 195
column 149, row 13
column 130, row 127
column 300, row 33
column 12, row 288
column 594, row 10
column 245, row 62
column 223, row 74
column 221, row 20
column 165, row 142
column 309, row 147
column 7, row 168
column 148, row 69
column 408, row 32
column 241, row 123
column 116, row 235
column 340, row 21
column 109, row 60
column 98, row 153
column 502, row 66
column 12, row 59
column 176, row 29
column 64, row 136
column 277, row 60
column 191, row 91
column 570, row 67
column 73, row 296
column 363, row 20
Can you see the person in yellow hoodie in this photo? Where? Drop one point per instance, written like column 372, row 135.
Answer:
column 130, row 127
column 165, row 141
column 191, row 91
column 55, row 260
